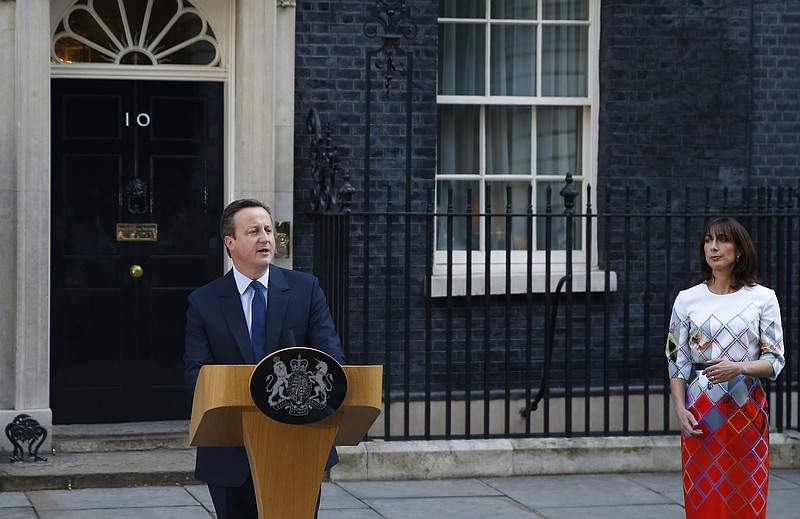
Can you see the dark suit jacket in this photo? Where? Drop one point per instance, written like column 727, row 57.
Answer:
column 216, row 333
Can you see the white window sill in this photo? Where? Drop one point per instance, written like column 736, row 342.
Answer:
column 518, row 283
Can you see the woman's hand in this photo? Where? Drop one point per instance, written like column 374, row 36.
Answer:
column 688, row 423
column 722, row 370
column 686, row 420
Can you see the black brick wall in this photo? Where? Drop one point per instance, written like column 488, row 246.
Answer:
column 331, row 76
column 674, row 88
column 704, row 93
column 694, row 94
column 776, row 93
column 699, row 92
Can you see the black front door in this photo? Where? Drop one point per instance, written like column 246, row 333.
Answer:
column 137, row 187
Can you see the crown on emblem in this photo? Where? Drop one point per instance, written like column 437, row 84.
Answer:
column 299, row 364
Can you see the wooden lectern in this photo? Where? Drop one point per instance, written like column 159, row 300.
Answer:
column 287, row 461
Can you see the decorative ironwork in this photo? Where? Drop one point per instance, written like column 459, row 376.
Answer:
column 136, row 194
column 393, row 19
column 626, row 272
column 111, row 31
column 570, row 194
column 26, row 429
column 325, row 196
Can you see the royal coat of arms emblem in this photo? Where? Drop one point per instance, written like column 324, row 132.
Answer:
column 311, row 387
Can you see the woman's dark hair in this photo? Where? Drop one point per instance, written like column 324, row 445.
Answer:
column 227, row 223
column 744, row 271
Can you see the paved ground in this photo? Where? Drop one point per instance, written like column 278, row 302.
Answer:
column 597, row 496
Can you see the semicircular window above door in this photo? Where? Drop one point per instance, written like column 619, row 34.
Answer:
column 137, row 183
column 135, row 32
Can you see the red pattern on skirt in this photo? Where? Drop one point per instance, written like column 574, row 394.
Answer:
column 726, row 470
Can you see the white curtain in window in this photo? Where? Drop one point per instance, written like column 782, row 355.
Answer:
column 564, row 60
column 508, row 140
column 462, row 193
column 558, row 140
column 512, row 72
column 459, row 154
column 558, row 236
column 565, row 9
column 459, row 143
column 462, row 48
column 513, row 60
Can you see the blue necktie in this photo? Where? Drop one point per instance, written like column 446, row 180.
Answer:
column 258, row 323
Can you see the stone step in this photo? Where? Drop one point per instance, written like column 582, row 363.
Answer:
column 107, row 456
column 72, row 470
column 157, row 454
column 138, row 436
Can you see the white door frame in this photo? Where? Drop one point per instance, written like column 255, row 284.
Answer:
column 259, row 164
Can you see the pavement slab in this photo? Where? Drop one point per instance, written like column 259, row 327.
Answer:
column 616, row 512
column 499, row 507
column 111, row 498
column 572, row 496
column 579, row 490
column 419, row 488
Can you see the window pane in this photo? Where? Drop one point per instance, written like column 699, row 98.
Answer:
column 189, row 26
column 514, row 9
column 462, row 8
column 513, row 60
column 84, row 25
column 564, row 60
column 508, row 140
column 462, row 58
column 112, row 18
column 199, row 53
column 559, row 147
column 565, row 9
column 70, row 50
column 519, row 202
column 558, row 229
column 109, row 31
column 463, row 194
column 459, row 143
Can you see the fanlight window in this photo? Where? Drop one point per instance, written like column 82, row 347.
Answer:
column 135, row 32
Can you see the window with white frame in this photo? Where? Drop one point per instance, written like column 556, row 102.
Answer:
column 517, row 96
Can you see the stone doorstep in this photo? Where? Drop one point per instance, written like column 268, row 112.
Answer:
column 375, row 460
column 106, row 455
column 70, row 470
column 121, row 437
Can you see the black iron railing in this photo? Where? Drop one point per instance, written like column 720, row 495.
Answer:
column 550, row 340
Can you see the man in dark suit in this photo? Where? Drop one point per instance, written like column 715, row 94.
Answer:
column 220, row 322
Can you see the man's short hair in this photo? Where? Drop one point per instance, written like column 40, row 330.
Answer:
column 227, row 223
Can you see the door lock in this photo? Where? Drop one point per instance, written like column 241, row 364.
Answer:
column 136, row 271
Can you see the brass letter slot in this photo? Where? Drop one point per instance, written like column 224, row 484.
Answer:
column 137, row 232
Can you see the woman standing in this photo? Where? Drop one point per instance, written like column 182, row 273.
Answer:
column 724, row 335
